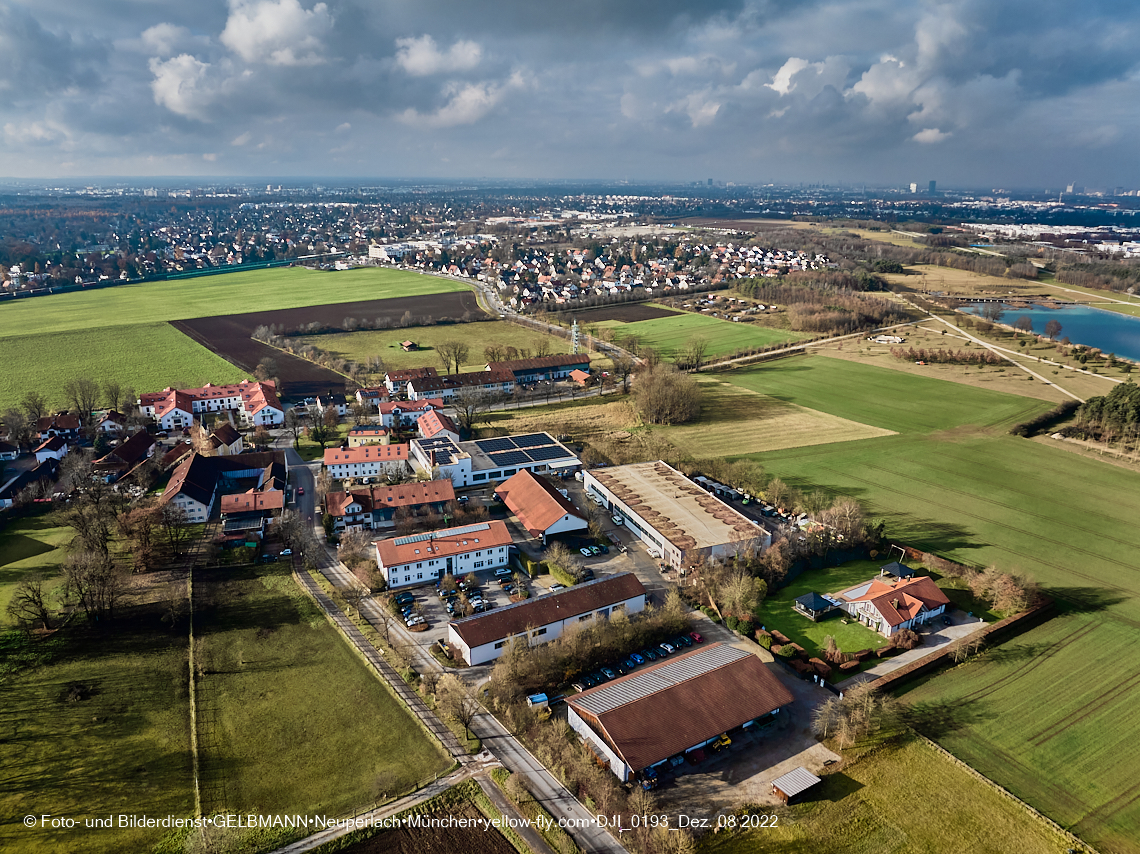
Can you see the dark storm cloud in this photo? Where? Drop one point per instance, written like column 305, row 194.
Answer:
column 757, row 89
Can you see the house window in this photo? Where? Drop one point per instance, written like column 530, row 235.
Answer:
column 500, row 644
column 420, row 565
column 584, row 617
column 539, row 632
column 421, row 575
column 478, row 564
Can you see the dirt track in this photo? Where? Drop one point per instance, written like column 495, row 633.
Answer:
column 229, row 335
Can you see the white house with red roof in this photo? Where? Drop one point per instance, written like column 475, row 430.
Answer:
column 254, row 403
column 422, row 558
column 367, row 461
column 435, row 423
column 889, row 606
column 403, row 413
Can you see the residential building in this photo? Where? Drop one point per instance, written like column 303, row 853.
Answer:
column 372, row 507
column 483, row 637
column 8, row 452
column 54, row 448
column 367, row 461
column 676, row 707
column 372, row 397
column 38, row 479
column 225, row 440
column 423, row 558
column 368, row 434
column 446, row 387
column 556, row 367
column 64, row 425
column 889, row 606
column 325, row 402
column 192, row 488
column 198, row 479
column 399, row 414
column 396, row 382
column 679, row 521
column 126, row 457
column 253, row 403
column 112, row 423
column 539, row 506
column 245, row 514
column 436, row 423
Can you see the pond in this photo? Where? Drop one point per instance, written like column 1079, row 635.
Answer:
column 1094, row 327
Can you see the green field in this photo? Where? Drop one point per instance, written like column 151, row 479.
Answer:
column 907, row 799
column 668, row 334
column 143, row 356
column 359, row 346
column 300, row 723
column 230, row 293
column 954, row 482
column 29, row 546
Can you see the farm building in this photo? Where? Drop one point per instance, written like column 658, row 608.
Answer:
column 420, row 558
column 367, row 461
column 38, row 479
column 679, row 521
column 126, row 456
column 791, row 787
column 888, row 607
column 373, row 507
column 539, row 507
column 483, row 637
column 675, row 707
column 556, row 367
column 483, row 461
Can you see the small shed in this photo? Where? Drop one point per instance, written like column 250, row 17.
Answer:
column 581, row 377
column 409, row 346
column 791, row 786
column 898, row 570
column 813, row 605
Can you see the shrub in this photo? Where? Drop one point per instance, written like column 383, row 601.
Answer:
column 787, row 651
column 710, row 613
column 764, row 639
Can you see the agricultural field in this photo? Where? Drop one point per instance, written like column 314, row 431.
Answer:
column 954, row 482
column 931, row 277
column 143, row 356
column 668, row 334
column 281, row 694
column 31, row 545
column 902, row 799
column 229, row 293
column 359, row 346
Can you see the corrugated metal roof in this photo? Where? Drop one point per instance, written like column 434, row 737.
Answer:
column 613, row 696
column 795, row 781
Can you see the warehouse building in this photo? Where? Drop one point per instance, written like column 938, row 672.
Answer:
column 420, row 558
column 679, row 522
column 483, row 637
column 539, row 507
column 676, row 707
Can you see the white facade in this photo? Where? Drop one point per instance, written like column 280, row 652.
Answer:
column 431, row 569
column 195, row 510
column 48, row 454
column 617, row 765
column 368, row 468
column 175, row 419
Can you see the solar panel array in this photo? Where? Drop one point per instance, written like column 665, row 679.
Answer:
column 521, row 450
column 448, row 532
column 443, row 448
column 649, row 682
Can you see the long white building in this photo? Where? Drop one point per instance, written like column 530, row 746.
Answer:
column 423, row 558
column 253, row 403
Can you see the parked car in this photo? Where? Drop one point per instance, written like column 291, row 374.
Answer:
column 629, row 664
column 579, row 687
column 667, row 648
column 286, row 553
column 405, row 598
column 599, row 677
column 414, row 620
column 603, row 548
column 585, row 552
column 617, row 519
column 651, row 655
column 503, row 572
column 696, row 636
column 462, row 499
column 554, row 588
column 586, row 575
column 637, row 658
column 682, row 640
column 595, row 550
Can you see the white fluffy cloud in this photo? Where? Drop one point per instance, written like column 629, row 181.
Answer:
column 180, row 84
column 930, row 135
column 277, row 32
column 421, row 56
column 467, row 103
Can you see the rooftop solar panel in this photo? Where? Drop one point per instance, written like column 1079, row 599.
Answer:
column 449, row 532
column 552, row 452
column 488, row 446
column 531, row 440
column 509, row 458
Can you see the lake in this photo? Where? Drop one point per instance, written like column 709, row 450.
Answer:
column 1094, row 327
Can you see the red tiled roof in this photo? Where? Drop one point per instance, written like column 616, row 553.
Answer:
column 55, row 443
column 401, row 495
column 366, row 454
column 254, row 396
column 58, row 422
column 903, row 600
column 535, row 503
column 653, row 727
column 434, row 422
column 253, row 501
column 444, row 543
column 552, row 608
column 411, row 405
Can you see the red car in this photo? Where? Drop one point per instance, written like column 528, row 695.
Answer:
column 696, row 637
column 300, row 490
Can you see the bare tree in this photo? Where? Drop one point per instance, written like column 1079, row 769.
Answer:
column 493, row 353
column 175, row 525
column 452, row 353
column 993, row 312
column 34, row 405
column 472, row 406
column 456, row 702
column 112, row 394
column 30, row 603
column 692, row 355
column 294, row 423
column 96, row 581
column 664, row 395
column 1023, row 324
column 1053, row 329
column 83, row 395
column 19, row 428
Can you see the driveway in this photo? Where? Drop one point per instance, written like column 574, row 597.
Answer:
column 933, row 638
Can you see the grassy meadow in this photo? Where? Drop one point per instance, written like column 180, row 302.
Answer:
column 228, row 293
column 668, row 334
column 32, row 545
column 293, row 720
column 954, row 482
column 359, row 346
column 143, row 356
column 902, row 799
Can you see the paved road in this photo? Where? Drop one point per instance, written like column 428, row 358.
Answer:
column 509, row 810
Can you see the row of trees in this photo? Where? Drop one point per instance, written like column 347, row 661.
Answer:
column 946, row 356
column 1005, row 592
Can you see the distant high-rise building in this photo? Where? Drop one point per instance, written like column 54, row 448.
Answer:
column 932, row 189
column 1068, row 188
column 710, row 182
column 913, row 187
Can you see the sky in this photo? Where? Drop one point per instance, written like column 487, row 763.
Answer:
column 1013, row 93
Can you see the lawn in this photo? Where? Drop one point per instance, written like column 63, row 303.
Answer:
column 359, row 346
column 292, row 719
column 668, row 334
column 32, row 545
column 230, row 293
column 143, row 356
column 905, row 799
column 120, row 746
column 776, row 611
column 954, row 482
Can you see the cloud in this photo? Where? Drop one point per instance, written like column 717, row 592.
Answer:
column 164, row 40
column 38, row 62
column 241, row 140
column 421, row 57
column 180, row 84
column 277, row 32
column 930, row 135
column 467, row 103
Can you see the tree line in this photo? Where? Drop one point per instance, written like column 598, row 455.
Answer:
column 946, row 356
